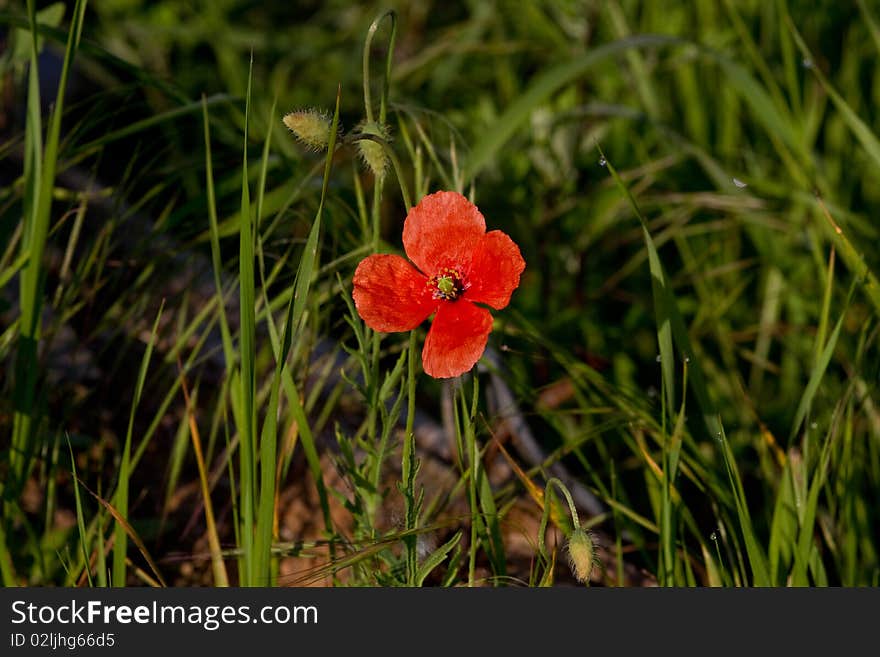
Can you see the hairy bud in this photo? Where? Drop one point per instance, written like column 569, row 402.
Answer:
column 311, row 127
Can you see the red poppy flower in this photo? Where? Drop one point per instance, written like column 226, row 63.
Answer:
column 457, row 264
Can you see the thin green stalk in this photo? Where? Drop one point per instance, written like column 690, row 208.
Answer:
column 545, row 514
column 409, row 466
column 464, row 426
column 228, row 350
column 247, row 355
column 371, row 32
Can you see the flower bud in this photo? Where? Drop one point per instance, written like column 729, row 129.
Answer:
column 372, row 153
column 581, row 553
column 311, row 127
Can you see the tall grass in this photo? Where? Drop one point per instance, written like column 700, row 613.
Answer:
column 692, row 353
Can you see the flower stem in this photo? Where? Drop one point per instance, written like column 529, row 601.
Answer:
column 466, row 427
column 395, row 162
column 548, row 502
column 409, row 468
column 368, row 104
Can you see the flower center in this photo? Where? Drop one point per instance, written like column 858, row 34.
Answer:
column 447, row 285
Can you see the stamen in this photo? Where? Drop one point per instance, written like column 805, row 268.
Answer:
column 447, row 284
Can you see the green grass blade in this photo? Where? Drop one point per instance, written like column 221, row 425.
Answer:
column 670, row 323
column 121, row 497
column 309, row 262
column 39, row 174
column 7, row 570
column 818, row 372
column 13, row 268
column 783, row 528
column 80, row 520
column 304, row 275
column 757, row 558
column 268, row 435
column 246, row 418
column 806, row 546
column 228, row 351
column 669, row 316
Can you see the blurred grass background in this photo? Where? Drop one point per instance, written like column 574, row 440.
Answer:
column 746, row 133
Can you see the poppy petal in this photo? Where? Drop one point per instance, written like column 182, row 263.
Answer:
column 456, row 340
column 495, row 270
column 442, row 231
column 390, row 294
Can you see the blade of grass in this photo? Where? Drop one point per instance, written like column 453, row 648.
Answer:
column 80, row 520
column 268, row 439
column 305, row 273
column 671, row 454
column 130, row 532
column 805, row 544
column 7, row 570
column 819, row 369
column 228, row 351
column 13, row 268
column 668, row 314
column 39, row 173
column 218, row 566
column 854, row 260
column 246, row 416
column 757, row 558
column 120, row 510
column 670, row 322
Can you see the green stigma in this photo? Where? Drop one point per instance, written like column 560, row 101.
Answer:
column 446, row 285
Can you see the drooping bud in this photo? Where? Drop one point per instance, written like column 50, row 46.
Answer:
column 372, row 153
column 311, row 127
column 581, row 553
